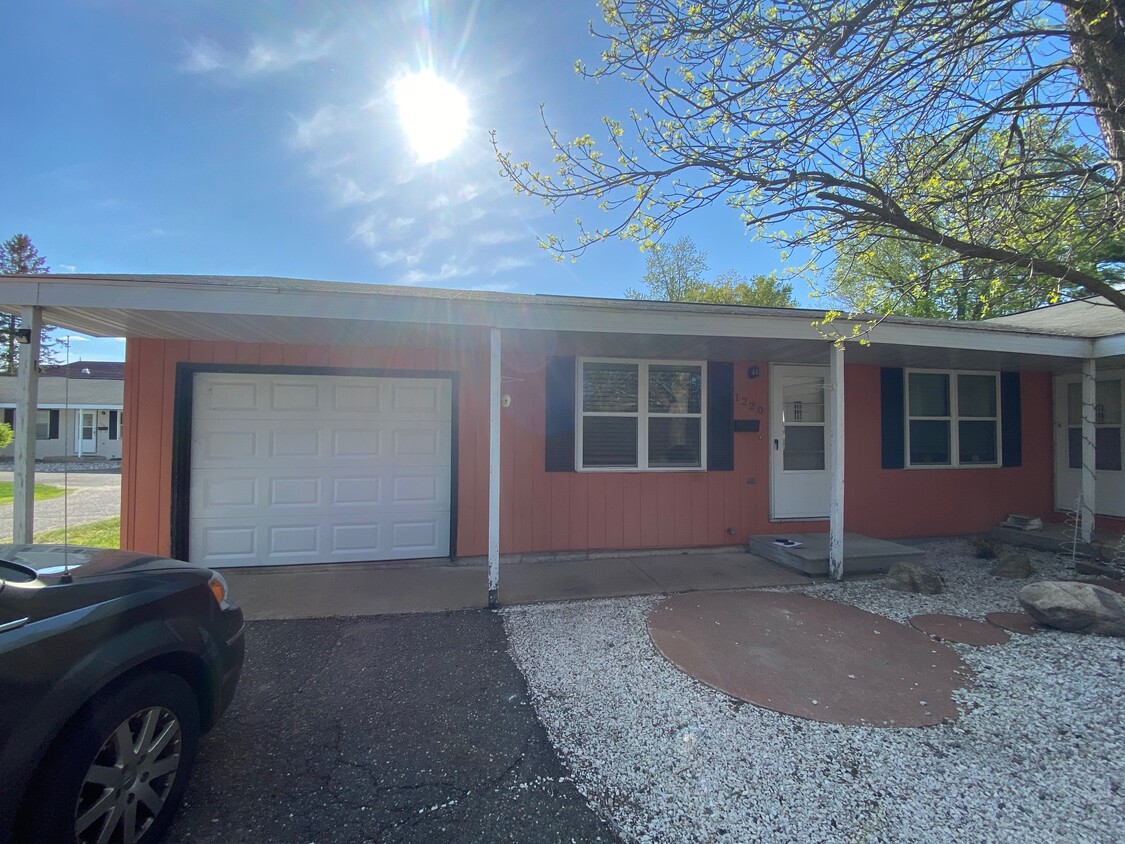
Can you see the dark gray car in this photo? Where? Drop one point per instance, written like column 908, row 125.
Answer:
column 112, row 664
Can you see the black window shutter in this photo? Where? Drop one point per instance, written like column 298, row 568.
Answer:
column 10, row 416
column 560, row 415
column 1011, row 424
column 113, row 424
column 720, row 417
column 893, row 417
column 53, row 426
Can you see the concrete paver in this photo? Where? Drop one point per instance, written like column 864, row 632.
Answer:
column 811, row 658
column 350, row 589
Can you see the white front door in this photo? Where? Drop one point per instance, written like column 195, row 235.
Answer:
column 319, row 468
column 798, row 466
column 86, row 432
column 1109, row 448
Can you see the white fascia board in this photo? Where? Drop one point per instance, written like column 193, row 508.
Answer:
column 610, row 318
column 71, row 406
column 1108, row 347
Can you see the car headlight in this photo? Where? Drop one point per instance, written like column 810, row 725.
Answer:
column 218, row 586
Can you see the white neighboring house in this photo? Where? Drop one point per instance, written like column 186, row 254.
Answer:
column 79, row 413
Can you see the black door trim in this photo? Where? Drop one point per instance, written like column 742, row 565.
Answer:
column 181, row 432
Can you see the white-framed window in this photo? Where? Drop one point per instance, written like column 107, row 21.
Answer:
column 952, row 418
column 1108, row 400
column 640, row 415
column 44, row 430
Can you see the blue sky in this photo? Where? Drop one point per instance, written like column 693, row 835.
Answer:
column 260, row 138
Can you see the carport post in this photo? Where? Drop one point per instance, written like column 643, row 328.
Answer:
column 494, row 470
column 27, row 403
column 1089, row 451
column 835, row 407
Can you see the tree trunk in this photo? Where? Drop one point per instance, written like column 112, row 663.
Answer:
column 1097, row 45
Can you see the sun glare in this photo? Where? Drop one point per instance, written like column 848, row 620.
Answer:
column 433, row 113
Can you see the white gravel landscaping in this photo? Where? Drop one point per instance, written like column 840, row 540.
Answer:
column 1037, row 755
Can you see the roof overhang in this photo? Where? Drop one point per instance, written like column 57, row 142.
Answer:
column 327, row 313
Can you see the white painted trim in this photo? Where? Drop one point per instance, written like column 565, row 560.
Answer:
column 23, row 511
column 642, row 415
column 1089, row 452
column 56, row 406
column 835, row 389
column 954, row 418
column 107, row 294
column 494, row 468
column 1107, row 347
column 776, row 437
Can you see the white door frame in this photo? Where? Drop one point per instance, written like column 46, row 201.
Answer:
column 1109, row 498
column 79, row 443
column 795, row 494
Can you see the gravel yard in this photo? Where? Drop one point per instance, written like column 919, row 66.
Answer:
column 1038, row 753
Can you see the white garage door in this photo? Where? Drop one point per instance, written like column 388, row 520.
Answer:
column 318, row 469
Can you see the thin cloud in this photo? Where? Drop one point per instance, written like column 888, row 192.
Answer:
column 311, row 132
column 497, row 287
column 508, row 264
column 495, row 237
column 349, row 193
column 387, row 258
column 447, row 272
column 263, row 56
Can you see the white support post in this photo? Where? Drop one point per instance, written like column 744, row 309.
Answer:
column 835, row 406
column 494, row 471
column 1089, row 453
column 27, row 404
column 78, row 433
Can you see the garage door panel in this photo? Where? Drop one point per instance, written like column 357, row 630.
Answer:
column 301, row 469
column 225, row 443
column 281, row 493
column 409, row 536
column 295, row 492
column 300, row 397
column 364, row 399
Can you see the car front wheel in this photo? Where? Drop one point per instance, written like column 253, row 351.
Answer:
column 117, row 776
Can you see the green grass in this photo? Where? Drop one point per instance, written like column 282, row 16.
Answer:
column 42, row 492
column 103, row 534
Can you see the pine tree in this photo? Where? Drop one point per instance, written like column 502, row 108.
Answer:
column 18, row 256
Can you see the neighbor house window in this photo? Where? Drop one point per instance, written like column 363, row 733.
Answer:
column 953, row 419
column 1107, row 425
column 47, row 425
column 640, row 415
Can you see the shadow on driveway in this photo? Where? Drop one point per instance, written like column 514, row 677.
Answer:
column 393, row 728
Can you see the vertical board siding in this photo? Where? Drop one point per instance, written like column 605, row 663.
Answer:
column 576, row 511
column 150, row 382
column 545, row 512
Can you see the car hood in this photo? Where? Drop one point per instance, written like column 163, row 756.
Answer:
column 52, row 562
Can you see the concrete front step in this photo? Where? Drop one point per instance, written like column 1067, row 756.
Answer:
column 862, row 554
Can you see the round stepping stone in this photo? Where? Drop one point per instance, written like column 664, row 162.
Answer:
column 1015, row 622
column 955, row 628
column 815, row 659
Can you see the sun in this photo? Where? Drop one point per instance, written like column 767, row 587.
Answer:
column 433, row 112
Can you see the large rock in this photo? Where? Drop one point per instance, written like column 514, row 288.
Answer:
column 913, row 577
column 1013, row 564
column 1078, row 607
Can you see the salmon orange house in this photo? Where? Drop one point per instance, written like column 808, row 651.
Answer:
column 277, row 422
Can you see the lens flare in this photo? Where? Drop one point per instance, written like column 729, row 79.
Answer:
column 433, row 113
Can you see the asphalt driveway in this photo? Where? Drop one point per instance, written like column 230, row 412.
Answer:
column 405, row 728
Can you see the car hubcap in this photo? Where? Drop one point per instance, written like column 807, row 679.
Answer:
column 129, row 780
